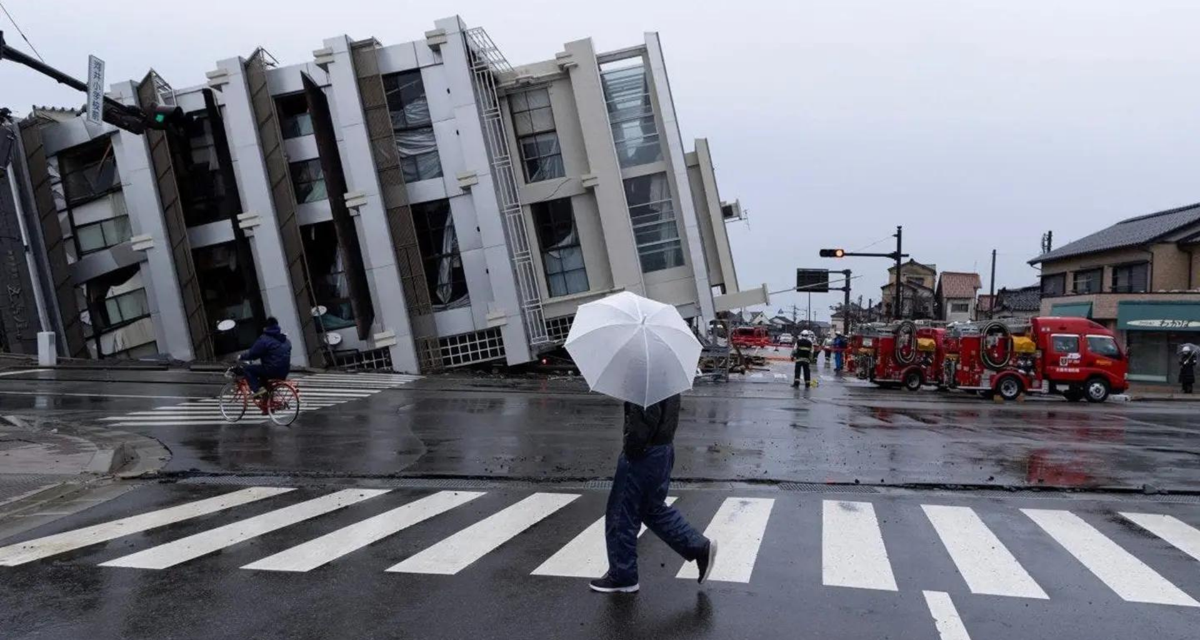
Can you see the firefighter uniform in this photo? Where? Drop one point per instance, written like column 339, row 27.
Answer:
column 803, row 354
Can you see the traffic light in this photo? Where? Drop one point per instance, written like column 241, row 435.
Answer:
column 833, row 253
column 162, row 116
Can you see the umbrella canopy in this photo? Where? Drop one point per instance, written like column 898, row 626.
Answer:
column 633, row 348
column 1191, row 347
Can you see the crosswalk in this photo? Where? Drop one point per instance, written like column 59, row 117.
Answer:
column 855, row 552
column 317, row 391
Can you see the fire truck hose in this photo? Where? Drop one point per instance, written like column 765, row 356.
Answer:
column 911, row 327
column 983, row 350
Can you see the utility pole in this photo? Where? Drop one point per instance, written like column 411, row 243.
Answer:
column 846, row 304
column 1047, row 242
column 899, row 240
column 992, row 289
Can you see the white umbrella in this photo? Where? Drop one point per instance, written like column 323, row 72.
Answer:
column 633, row 349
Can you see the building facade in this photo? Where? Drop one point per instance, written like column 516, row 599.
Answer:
column 956, row 293
column 1140, row 278
column 917, row 298
column 413, row 206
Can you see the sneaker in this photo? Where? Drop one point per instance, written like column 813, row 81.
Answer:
column 706, row 561
column 608, row 585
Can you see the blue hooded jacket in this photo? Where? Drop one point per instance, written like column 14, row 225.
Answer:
column 274, row 349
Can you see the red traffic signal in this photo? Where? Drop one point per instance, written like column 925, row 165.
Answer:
column 833, row 253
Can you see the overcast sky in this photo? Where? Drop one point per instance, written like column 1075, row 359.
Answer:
column 976, row 124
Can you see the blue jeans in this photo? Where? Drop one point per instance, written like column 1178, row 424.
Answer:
column 638, row 495
column 256, row 373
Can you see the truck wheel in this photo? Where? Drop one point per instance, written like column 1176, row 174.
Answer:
column 1096, row 390
column 1009, row 388
column 1073, row 395
column 912, row 380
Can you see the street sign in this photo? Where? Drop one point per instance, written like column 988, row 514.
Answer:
column 812, row 280
column 95, row 90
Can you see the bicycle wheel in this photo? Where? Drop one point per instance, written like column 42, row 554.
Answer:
column 232, row 401
column 284, row 405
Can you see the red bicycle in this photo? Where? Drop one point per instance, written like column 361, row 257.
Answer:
column 281, row 402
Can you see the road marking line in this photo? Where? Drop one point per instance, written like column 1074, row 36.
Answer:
column 852, row 549
column 189, row 423
column 1129, row 577
column 945, row 617
column 586, row 556
column 1169, row 528
column 738, row 526
column 31, row 550
column 984, row 562
column 465, row 547
column 330, row 547
column 17, row 373
column 172, row 553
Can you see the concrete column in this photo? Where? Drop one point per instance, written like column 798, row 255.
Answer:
column 255, row 188
column 671, row 136
column 581, row 62
column 146, row 219
column 362, row 179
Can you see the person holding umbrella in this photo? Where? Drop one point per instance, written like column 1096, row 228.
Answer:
column 642, row 352
column 1187, row 367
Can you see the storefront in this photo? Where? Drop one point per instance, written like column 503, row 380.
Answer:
column 1154, row 331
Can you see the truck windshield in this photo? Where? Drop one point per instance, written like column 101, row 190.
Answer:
column 1103, row 346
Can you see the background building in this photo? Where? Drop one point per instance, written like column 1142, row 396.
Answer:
column 1139, row 277
column 917, row 299
column 956, row 292
column 414, row 206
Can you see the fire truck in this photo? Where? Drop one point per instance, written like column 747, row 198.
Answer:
column 750, row 337
column 905, row 354
column 1075, row 357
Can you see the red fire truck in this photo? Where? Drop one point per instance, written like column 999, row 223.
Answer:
column 749, row 337
column 906, row 355
column 1075, row 357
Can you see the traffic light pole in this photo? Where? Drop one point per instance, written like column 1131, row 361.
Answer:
column 846, row 304
column 122, row 116
column 896, row 255
column 896, row 304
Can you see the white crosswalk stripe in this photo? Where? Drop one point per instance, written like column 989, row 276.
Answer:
column 332, row 546
column 31, row 550
column 984, row 562
column 192, row 547
column 853, row 553
column 738, row 529
column 461, row 549
column 1129, row 577
column 585, row 556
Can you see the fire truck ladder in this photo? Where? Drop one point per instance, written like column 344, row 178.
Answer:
column 486, row 61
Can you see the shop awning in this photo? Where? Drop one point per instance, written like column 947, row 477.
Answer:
column 1071, row 310
column 1159, row 316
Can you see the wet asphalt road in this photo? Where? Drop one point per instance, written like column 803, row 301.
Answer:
column 788, row 592
column 757, row 430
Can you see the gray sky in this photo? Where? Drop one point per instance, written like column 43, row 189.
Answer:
column 977, row 124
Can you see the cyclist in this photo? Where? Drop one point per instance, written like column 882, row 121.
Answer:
column 274, row 352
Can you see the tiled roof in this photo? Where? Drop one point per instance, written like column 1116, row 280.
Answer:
column 1023, row 299
column 955, row 284
column 1128, row 233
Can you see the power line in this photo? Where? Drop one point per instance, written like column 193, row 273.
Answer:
column 22, row 33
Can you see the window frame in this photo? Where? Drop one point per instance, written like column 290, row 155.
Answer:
column 561, row 208
column 75, row 232
column 955, row 307
column 623, row 112
column 410, row 164
column 536, row 135
column 1130, row 267
column 1088, row 339
column 338, row 272
column 1097, row 281
column 1061, row 277
column 299, row 117
column 647, row 249
column 293, row 168
column 123, row 322
column 1054, row 344
column 430, row 259
column 107, row 157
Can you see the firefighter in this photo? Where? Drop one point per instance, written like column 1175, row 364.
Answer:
column 803, row 355
column 1187, row 368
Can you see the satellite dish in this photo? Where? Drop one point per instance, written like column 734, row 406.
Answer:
column 319, row 311
column 334, row 339
column 226, row 325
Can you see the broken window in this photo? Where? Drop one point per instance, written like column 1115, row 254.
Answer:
column 533, row 121
column 654, row 228
column 326, row 267
column 444, row 272
column 294, row 119
column 308, row 181
column 116, row 316
column 202, row 186
column 631, row 113
column 89, row 171
column 412, row 126
column 562, row 255
column 225, row 297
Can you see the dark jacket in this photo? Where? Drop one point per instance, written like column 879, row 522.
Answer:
column 803, row 351
column 273, row 348
column 1187, row 368
column 654, row 425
